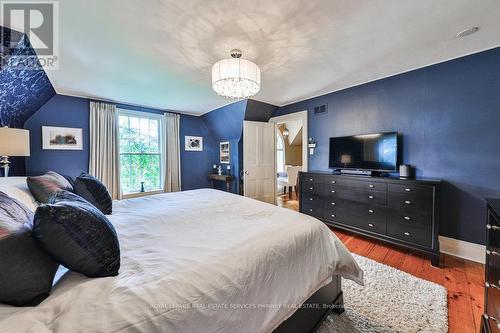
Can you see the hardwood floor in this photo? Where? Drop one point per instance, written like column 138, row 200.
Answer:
column 285, row 201
column 463, row 279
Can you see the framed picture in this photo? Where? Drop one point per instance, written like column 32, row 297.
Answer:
column 225, row 152
column 62, row 138
column 193, row 143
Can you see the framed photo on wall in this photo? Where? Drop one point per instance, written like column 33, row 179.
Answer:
column 225, row 152
column 193, row 143
column 62, row 138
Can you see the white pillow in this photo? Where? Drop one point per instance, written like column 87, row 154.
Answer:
column 17, row 188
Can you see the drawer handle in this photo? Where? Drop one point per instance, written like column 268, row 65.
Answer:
column 371, row 186
column 407, row 218
column 310, row 179
column 407, row 189
column 495, row 253
column 491, row 285
column 333, row 215
column 407, row 234
column 370, row 197
column 333, row 191
column 311, row 210
column 492, row 227
column 492, row 318
column 408, row 202
column 311, row 199
column 370, row 225
column 334, row 182
column 311, row 188
column 370, row 211
column 333, row 203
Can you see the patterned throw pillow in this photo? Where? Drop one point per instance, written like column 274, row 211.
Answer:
column 44, row 186
column 92, row 190
column 77, row 235
column 27, row 272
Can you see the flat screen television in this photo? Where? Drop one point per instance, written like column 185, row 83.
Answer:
column 372, row 152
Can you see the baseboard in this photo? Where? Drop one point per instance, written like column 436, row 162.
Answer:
column 462, row 249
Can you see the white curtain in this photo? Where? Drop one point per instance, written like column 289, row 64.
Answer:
column 104, row 161
column 171, row 144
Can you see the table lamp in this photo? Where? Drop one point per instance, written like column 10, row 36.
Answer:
column 13, row 142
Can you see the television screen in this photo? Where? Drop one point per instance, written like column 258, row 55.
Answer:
column 376, row 152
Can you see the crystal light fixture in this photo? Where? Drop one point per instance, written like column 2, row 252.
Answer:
column 235, row 77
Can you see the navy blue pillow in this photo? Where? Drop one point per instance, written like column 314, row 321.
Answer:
column 26, row 272
column 77, row 235
column 92, row 190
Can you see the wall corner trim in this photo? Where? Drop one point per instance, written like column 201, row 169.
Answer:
column 463, row 249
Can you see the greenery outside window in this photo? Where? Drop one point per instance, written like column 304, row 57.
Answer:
column 141, row 152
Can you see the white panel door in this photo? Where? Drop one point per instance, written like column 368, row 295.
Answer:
column 259, row 180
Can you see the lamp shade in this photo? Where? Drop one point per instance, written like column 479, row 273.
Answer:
column 14, row 142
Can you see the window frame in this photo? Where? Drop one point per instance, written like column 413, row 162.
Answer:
column 161, row 148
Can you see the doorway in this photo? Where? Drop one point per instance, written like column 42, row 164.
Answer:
column 291, row 156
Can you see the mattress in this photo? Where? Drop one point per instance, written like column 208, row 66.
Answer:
column 196, row 261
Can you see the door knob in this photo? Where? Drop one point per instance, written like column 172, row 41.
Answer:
column 246, row 173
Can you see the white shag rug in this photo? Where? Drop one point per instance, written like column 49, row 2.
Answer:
column 391, row 301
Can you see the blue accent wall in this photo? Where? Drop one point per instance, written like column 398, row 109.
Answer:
column 449, row 118
column 69, row 111
column 196, row 165
column 226, row 124
column 22, row 90
column 63, row 111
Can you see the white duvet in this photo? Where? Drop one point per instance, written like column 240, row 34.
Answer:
column 195, row 261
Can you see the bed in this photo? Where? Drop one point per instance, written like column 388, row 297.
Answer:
column 200, row 261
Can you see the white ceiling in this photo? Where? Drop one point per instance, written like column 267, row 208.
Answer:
column 159, row 53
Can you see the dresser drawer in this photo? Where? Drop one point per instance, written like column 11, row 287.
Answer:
column 329, row 180
column 411, row 234
column 493, row 266
column 492, row 300
column 312, row 210
column 356, row 195
column 361, row 184
column 337, row 216
column 311, row 179
column 412, row 189
column 370, row 223
column 312, row 200
column 313, row 188
column 493, row 325
column 410, row 202
column 416, row 219
column 493, row 235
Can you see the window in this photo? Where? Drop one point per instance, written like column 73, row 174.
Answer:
column 141, row 159
column 280, row 152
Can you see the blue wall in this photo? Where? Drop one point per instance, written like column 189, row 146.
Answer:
column 449, row 117
column 69, row 111
column 64, row 111
column 22, row 90
column 196, row 165
column 226, row 124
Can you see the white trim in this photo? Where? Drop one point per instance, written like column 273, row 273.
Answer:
column 462, row 249
column 141, row 194
column 302, row 116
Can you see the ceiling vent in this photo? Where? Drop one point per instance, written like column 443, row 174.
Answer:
column 321, row 109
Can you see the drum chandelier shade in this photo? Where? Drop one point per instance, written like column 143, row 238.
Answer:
column 235, row 78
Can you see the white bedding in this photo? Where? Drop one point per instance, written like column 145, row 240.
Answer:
column 187, row 261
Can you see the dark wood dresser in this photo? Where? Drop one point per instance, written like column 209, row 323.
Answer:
column 402, row 212
column 491, row 317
